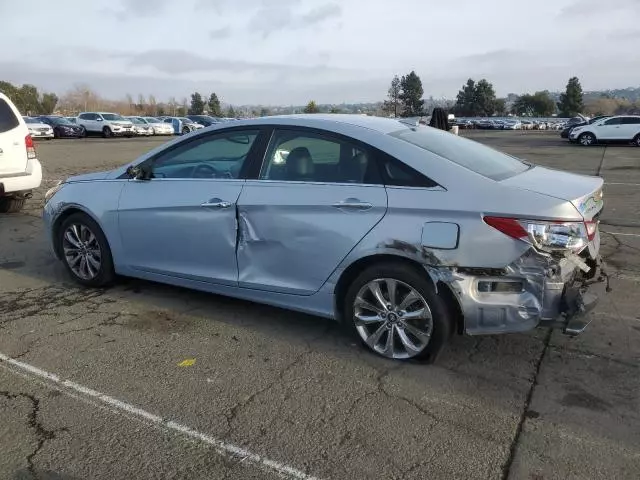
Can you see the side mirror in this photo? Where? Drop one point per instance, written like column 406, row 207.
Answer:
column 98, row 119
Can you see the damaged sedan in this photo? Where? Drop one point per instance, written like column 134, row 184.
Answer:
column 403, row 233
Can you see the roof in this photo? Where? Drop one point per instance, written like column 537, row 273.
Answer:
column 379, row 124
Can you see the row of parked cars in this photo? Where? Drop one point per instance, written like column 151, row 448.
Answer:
column 108, row 124
column 507, row 124
column 603, row 129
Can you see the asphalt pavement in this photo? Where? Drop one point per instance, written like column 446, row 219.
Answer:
column 148, row 381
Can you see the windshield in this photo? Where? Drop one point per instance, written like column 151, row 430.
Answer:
column 474, row 156
column 152, row 120
column 136, row 121
column 31, row 120
column 186, row 120
column 112, row 116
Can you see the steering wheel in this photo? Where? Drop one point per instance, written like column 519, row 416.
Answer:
column 204, row 171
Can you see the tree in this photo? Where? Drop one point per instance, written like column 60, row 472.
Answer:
column 48, row 103
column 152, row 107
column 264, row 112
column 571, row 102
column 539, row 104
column 466, row 104
column 334, row 110
column 485, row 97
column 411, row 95
column 394, row 92
column 214, row 106
column 311, row 107
column 173, row 106
column 501, row 106
column 231, row 113
column 197, row 104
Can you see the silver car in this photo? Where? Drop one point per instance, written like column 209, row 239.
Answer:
column 404, row 233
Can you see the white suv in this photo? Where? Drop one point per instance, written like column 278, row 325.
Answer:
column 20, row 170
column 619, row 129
column 106, row 124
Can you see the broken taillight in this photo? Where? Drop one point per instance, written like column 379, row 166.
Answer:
column 31, row 149
column 550, row 236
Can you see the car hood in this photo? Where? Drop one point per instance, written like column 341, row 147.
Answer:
column 38, row 125
column 87, row 177
column 583, row 191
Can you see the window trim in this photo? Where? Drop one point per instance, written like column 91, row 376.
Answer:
column 254, row 151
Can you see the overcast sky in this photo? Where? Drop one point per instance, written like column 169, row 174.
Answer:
column 291, row 51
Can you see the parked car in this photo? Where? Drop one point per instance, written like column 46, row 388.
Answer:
column 405, row 234
column 105, row 124
column 158, row 126
column 512, row 125
column 140, row 126
column 204, row 120
column 579, row 122
column 20, row 170
column 37, row 129
column 618, row 129
column 182, row 125
column 62, row 127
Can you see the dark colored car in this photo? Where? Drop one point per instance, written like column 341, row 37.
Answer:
column 578, row 122
column 204, row 120
column 62, row 127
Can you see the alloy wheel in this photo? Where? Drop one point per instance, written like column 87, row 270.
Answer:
column 392, row 318
column 82, row 251
column 586, row 139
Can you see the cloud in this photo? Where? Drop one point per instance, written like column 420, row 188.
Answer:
column 138, row 9
column 321, row 13
column 220, row 33
column 275, row 18
column 588, row 8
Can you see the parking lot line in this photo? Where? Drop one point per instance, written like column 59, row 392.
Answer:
column 114, row 405
column 622, row 183
column 622, row 234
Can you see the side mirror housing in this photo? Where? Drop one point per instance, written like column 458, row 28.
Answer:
column 137, row 172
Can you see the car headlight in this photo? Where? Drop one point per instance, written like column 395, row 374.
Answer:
column 52, row 191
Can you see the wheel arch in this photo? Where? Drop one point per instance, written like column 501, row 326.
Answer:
column 358, row 266
column 66, row 213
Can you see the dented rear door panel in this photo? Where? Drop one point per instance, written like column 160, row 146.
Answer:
column 293, row 235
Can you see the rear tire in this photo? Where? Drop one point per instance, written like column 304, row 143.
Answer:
column 418, row 319
column 11, row 204
column 636, row 141
column 587, row 139
column 85, row 251
column 185, row 130
column 106, row 132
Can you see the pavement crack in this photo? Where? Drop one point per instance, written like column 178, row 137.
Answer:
column 506, row 468
column 42, row 434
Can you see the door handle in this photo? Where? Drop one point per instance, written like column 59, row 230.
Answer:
column 353, row 204
column 216, row 203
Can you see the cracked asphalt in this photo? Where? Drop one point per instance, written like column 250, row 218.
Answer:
column 293, row 388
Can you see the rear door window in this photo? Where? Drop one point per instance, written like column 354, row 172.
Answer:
column 8, row 119
column 474, row 156
column 631, row 121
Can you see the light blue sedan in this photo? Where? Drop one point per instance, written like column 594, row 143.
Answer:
column 402, row 232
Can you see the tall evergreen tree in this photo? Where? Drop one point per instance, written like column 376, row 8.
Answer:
column 411, row 96
column 571, row 102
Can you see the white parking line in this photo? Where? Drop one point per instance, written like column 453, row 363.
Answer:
column 622, row 234
column 628, row 184
column 90, row 396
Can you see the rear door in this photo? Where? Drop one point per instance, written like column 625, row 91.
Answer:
column 316, row 196
column 13, row 150
column 630, row 127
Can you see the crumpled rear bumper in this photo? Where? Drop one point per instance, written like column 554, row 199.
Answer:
column 580, row 299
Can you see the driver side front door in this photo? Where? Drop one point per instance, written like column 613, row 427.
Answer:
column 182, row 222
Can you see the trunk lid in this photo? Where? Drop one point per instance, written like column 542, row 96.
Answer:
column 583, row 191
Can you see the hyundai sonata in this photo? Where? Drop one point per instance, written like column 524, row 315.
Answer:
column 404, row 233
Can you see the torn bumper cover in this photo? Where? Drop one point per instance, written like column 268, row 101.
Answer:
column 537, row 290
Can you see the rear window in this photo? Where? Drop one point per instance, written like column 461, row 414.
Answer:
column 474, row 156
column 8, row 120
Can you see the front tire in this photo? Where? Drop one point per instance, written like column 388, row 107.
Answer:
column 636, row 140
column 394, row 311
column 587, row 139
column 106, row 132
column 185, row 130
column 11, row 204
column 85, row 251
